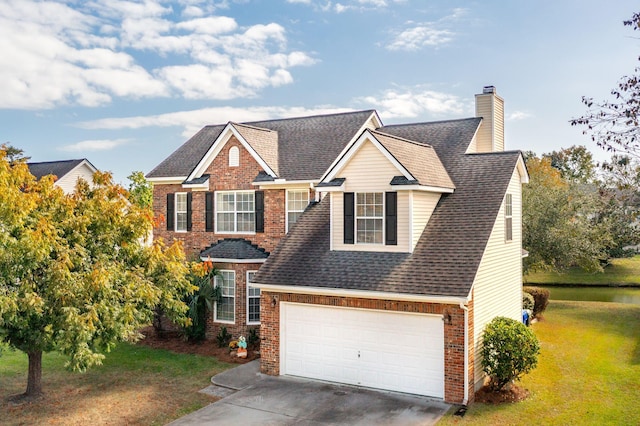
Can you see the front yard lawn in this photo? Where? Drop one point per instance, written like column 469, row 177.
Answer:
column 588, row 370
column 136, row 385
column 625, row 271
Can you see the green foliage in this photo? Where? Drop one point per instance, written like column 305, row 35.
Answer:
column 253, row 336
column 201, row 300
column 528, row 301
column 140, row 190
column 575, row 164
column 540, row 299
column 74, row 274
column 509, row 351
column 223, row 337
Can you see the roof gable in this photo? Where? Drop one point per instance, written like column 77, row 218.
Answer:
column 58, row 168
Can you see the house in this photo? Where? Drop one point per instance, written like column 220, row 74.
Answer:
column 410, row 244
column 67, row 172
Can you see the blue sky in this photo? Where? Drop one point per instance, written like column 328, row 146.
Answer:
column 125, row 83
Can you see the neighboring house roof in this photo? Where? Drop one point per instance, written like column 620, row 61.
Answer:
column 234, row 248
column 56, row 168
column 446, row 258
column 303, row 150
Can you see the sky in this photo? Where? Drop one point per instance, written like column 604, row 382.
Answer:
column 124, row 83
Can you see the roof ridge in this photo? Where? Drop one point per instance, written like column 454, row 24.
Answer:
column 313, row 116
column 251, row 127
column 431, row 122
column 426, row 145
column 56, row 161
column 511, row 151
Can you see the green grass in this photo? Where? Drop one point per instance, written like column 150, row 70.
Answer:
column 136, row 385
column 620, row 272
column 588, row 371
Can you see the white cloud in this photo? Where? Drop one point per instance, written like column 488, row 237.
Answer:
column 94, row 145
column 518, row 115
column 88, row 53
column 411, row 103
column 426, row 34
column 194, row 120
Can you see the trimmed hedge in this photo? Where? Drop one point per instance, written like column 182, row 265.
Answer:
column 528, row 302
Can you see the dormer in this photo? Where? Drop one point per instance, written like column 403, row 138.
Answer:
column 383, row 191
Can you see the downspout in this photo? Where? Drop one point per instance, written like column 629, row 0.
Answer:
column 465, row 400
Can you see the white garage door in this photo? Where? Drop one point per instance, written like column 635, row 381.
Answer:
column 377, row 349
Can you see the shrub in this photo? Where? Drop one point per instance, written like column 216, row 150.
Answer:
column 528, row 302
column 540, row 297
column 223, row 337
column 510, row 350
column 253, row 337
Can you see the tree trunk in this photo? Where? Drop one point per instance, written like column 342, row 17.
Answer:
column 34, row 380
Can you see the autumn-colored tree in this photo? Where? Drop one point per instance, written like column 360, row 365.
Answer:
column 558, row 223
column 74, row 274
column 140, row 190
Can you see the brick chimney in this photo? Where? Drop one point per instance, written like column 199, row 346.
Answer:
column 490, row 107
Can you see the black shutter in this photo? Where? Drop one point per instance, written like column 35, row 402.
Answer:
column 208, row 211
column 259, row 211
column 348, row 217
column 170, row 210
column 189, row 199
column 391, row 218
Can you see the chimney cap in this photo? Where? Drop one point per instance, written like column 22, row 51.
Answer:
column 489, row 89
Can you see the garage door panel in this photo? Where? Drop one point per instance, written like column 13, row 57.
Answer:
column 379, row 349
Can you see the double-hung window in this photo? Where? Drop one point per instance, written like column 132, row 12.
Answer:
column 253, row 300
column 225, row 308
column 235, row 211
column 369, row 217
column 297, row 201
column 508, row 217
column 181, row 211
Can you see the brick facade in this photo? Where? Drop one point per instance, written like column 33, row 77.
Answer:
column 454, row 332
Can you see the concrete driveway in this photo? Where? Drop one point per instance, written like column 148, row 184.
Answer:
column 266, row 400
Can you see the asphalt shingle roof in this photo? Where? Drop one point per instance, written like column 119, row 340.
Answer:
column 57, row 168
column 234, row 248
column 447, row 255
column 306, row 146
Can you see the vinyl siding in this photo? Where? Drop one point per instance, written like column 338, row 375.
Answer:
column 423, row 205
column 68, row 181
column 369, row 171
column 498, row 283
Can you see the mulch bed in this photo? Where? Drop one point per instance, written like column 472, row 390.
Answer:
column 512, row 394
column 175, row 343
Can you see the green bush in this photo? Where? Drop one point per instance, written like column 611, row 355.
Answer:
column 528, row 302
column 540, row 297
column 253, row 337
column 509, row 350
column 223, row 337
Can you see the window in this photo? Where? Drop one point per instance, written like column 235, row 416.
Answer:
column 225, row 309
column 508, row 217
column 235, row 211
column 369, row 217
column 181, row 211
column 297, row 201
column 253, row 301
column 234, row 156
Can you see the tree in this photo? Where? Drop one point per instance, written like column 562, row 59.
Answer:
column 74, row 275
column 140, row 190
column 575, row 164
column 613, row 125
column 509, row 350
column 13, row 154
column 558, row 226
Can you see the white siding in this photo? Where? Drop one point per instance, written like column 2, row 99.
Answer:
column 68, row 181
column 498, row 283
column 423, row 205
column 369, row 171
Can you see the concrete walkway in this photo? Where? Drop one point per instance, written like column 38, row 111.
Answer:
column 256, row 399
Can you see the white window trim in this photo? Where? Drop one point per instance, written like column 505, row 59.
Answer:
column 508, row 202
column 234, row 157
column 215, row 305
column 247, row 293
column 355, row 218
column 293, row 211
column 215, row 213
column 175, row 212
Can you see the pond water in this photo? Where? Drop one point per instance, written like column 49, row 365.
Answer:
column 596, row 294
